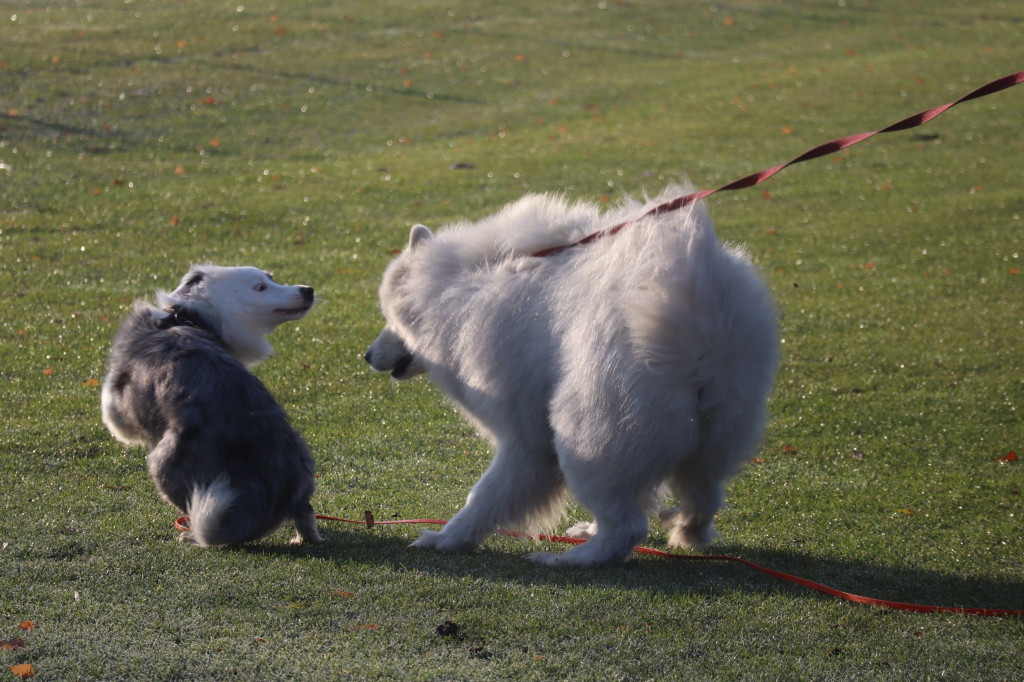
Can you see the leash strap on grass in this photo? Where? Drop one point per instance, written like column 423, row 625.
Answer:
column 821, row 150
column 368, row 521
column 797, row 580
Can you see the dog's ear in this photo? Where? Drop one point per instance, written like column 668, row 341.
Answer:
column 419, row 233
column 191, row 280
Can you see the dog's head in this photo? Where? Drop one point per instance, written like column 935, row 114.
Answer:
column 242, row 304
column 389, row 353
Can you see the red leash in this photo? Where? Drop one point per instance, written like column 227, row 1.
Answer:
column 821, row 150
column 370, row 522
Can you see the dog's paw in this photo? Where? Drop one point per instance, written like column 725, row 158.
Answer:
column 693, row 536
column 187, row 538
column 584, row 531
column 687, row 532
column 427, row 540
column 300, row 539
column 442, row 542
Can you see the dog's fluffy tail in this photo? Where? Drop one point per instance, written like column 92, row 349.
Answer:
column 700, row 313
column 217, row 516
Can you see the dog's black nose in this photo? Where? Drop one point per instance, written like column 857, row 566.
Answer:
column 307, row 294
column 367, row 357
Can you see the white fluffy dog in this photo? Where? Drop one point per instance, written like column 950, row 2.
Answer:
column 611, row 369
column 220, row 447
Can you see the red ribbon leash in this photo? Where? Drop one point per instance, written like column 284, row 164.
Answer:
column 821, row 150
column 370, row 522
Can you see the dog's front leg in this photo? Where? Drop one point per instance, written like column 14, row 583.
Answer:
column 518, row 487
column 305, row 524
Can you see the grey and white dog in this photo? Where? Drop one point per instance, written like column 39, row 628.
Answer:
column 220, row 447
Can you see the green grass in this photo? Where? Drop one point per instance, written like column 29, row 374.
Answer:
column 305, row 137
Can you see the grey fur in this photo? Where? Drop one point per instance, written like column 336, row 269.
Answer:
column 221, row 449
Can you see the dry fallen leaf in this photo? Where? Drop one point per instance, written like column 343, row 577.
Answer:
column 1008, row 457
column 12, row 644
column 24, row 670
column 27, row 625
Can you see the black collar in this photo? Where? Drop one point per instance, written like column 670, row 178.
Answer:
column 179, row 316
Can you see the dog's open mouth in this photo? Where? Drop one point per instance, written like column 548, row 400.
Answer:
column 293, row 312
column 402, row 366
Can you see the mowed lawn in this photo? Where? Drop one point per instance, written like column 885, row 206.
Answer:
column 306, row 137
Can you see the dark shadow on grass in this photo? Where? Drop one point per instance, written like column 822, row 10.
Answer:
column 224, row 60
column 20, row 127
column 501, row 560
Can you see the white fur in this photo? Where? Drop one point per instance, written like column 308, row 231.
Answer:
column 245, row 303
column 208, row 504
column 642, row 359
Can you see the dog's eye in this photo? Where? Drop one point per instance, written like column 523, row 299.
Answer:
column 260, row 287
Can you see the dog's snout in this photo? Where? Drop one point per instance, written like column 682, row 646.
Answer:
column 307, row 294
column 367, row 357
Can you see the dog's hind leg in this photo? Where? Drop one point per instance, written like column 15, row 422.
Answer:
column 621, row 526
column 305, row 524
column 522, row 488
column 691, row 522
column 619, row 500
